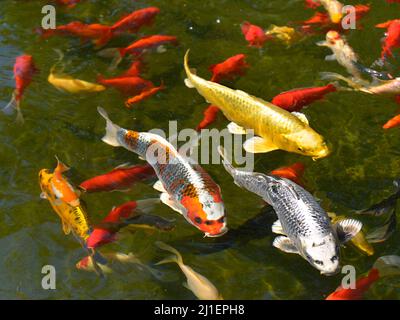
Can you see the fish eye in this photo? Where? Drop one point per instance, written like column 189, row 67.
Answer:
column 319, row 262
column 221, row 220
column 198, row 220
column 300, row 149
column 334, row 258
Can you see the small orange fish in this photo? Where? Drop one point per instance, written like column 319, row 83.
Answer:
column 392, row 39
column 254, row 35
column 145, row 94
column 210, row 115
column 127, row 85
column 134, row 70
column 62, row 189
column 134, row 21
column 294, row 172
column 229, row 69
column 392, row 123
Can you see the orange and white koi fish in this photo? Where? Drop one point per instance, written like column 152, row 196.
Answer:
column 185, row 187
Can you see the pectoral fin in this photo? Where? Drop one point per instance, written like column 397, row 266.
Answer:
column 66, row 228
column 159, row 187
column 347, row 229
column 259, row 145
column 43, row 195
column 285, row 244
column 277, row 228
column 166, row 199
column 301, row 116
column 331, row 57
column 322, row 43
column 189, row 83
column 236, row 129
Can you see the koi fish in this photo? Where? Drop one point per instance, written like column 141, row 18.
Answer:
column 98, row 33
column 136, row 20
column 69, row 84
column 127, row 85
column 134, row 70
column 312, row 4
column 201, row 287
column 185, row 188
column 276, row 128
column 145, row 94
column 102, row 235
column 121, row 178
column 392, row 123
column 297, row 99
column 254, row 35
column 210, row 115
column 304, row 227
column 392, row 38
column 383, row 267
column 342, row 52
column 285, row 34
column 24, row 70
column 319, row 19
column 229, row 69
column 293, row 172
column 334, row 9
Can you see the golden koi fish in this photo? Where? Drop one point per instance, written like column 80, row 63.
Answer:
column 73, row 218
column 334, row 9
column 285, row 34
column 276, row 128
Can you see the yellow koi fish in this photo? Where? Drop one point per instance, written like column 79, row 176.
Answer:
column 334, row 8
column 202, row 288
column 285, row 34
column 276, row 128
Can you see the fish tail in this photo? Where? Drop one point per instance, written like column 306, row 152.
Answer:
column 20, row 118
column 61, row 167
column 105, row 38
column 177, row 257
column 189, row 72
column 228, row 166
column 147, row 205
column 388, row 266
column 11, row 107
column 111, row 136
column 100, row 79
column 336, row 76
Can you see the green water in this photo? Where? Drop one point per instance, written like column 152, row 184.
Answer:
column 242, row 264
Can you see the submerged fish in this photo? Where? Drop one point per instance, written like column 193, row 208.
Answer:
column 383, row 267
column 134, row 21
column 276, row 128
column 392, row 38
column 202, row 288
column 304, row 226
column 185, row 187
column 254, row 35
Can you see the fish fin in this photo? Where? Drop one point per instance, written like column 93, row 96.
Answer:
column 285, row 244
column 146, row 205
column 277, row 228
column 236, row 129
column 322, row 43
column 336, row 76
column 126, row 165
column 388, row 265
column 331, row 57
column 177, row 258
column 66, row 228
column 383, row 232
column 189, row 83
column 150, row 221
column 258, row 145
column 185, row 284
column 347, row 229
column 11, row 107
column 61, row 167
column 302, row 117
column 43, row 195
column 165, row 198
column 227, row 165
column 111, row 129
column 159, row 187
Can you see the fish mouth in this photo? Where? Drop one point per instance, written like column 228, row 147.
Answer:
column 336, row 18
column 216, row 235
column 322, row 154
column 330, row 273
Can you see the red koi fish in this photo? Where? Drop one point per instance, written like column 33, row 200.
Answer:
column 101, row 236
column 24, row 70
column 312, row 4
column 319, row 18
column 392, row 123
column 100, row 34
column 68, row 3
column 145, row 94
column 254, row 35
column 210, row 115
column 121, row 178
column 297, row 99
column 392, row 39
column 126, row 85
column 136, row 20
column 148, row 43
column 229, row 69
column 294, row 172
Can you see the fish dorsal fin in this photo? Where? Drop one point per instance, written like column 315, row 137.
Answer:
column 126, row 165
column 285, row 244
column 236, row 129
column 259, row 145
column 301, row 116
column 159, row 187
column 347, row 229
column 277, row 228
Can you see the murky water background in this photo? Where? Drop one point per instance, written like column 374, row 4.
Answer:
column 242, row 264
